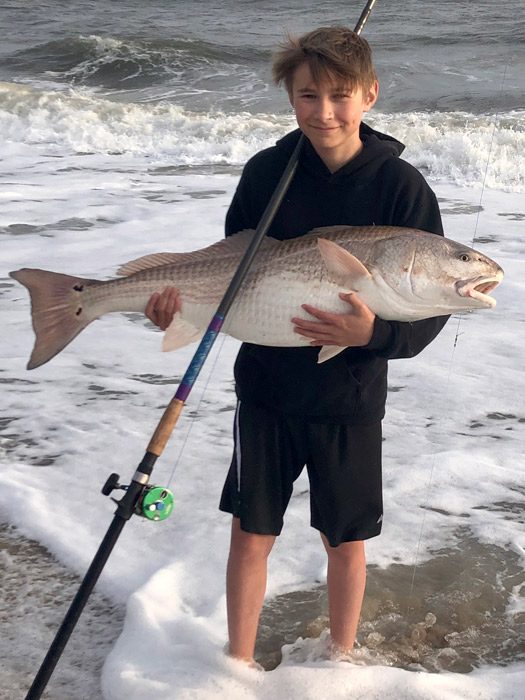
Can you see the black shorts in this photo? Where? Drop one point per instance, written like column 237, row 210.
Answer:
column 344, row 469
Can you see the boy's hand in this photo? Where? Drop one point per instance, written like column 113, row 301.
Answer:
column 352, row 329
column 163, row 306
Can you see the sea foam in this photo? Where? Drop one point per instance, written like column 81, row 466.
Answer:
column 458, row 147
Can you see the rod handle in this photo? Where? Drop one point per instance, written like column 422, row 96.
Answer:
column 165, row 426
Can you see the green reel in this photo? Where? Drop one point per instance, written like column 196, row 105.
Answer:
column 157, row 503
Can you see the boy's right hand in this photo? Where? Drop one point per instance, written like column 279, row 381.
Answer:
column 162, row 307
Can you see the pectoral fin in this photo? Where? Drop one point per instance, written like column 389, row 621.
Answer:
column 180, row 333
column 341, row 263
column 329, row 351
column 349, row 271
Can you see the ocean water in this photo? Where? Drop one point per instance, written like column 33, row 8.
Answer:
column 124, row 129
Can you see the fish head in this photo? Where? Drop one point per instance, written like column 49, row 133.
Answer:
column 420, row 275
column 451, row 274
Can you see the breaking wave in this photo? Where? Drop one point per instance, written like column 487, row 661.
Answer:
column 459, row 147
column 113, row 63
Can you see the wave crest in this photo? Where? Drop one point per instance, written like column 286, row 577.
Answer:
column 458, row 147
column 113, row 63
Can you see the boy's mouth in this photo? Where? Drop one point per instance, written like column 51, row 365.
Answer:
column 325, row 129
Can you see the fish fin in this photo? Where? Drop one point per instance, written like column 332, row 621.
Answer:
column 239, row 242
column 232, row 245
column 56, row 310
column 329, row 351
column 180, row 333
column 323, row 231
column 340, row 262
column 147, row 261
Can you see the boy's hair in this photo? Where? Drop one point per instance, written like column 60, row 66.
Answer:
column 336, row 53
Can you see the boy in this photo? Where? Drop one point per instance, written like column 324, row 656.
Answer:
column 292, row 411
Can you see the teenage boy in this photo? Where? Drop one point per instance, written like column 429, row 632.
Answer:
column 293, row 412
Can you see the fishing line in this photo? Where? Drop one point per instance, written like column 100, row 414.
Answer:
column 425, row 505
column 484, row 182
column 460, row 318
column 497, row 117
column 195, row 415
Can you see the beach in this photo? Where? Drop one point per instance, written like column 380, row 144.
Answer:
column 125, row 133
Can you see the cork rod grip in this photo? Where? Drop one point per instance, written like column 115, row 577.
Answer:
column 165, row 427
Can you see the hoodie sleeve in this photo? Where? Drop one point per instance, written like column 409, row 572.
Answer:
column 412, row 204
column 256, row 186
column 238, row 217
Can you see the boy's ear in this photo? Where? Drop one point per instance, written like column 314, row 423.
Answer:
column 371, row 95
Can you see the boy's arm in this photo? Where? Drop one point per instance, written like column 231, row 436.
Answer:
column 238, row 217
column 253, row 191
column 397, row 339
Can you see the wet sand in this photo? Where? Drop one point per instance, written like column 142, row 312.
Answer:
column 36, row 593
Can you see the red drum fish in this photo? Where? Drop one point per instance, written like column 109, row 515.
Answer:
column 401, row 274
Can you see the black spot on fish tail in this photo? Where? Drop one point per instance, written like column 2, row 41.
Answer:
column 56, row 314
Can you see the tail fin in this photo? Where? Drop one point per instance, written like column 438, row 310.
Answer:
column 56, row 309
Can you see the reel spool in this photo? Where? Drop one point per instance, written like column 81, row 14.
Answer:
column 155, row 503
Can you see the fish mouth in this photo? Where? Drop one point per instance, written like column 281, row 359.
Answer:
column 480, row 288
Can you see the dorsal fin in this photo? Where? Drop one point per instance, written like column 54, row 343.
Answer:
column 233, row 245
column 153, row 260
column 324, row 231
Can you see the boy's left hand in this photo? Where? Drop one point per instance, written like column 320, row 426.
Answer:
column 352, row 329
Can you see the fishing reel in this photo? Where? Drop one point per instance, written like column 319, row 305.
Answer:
column 154, row 503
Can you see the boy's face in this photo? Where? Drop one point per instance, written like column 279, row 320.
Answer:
column 329, row 115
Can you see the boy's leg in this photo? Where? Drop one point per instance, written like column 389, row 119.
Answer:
column 346, row 578
column 346, row 503
column 245, row 588
column 267, row 458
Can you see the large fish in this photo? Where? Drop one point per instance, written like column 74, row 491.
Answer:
column 401, row 274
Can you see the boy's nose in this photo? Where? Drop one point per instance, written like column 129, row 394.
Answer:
column 325, row 110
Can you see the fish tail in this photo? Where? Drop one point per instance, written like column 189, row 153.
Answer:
column 57, row 310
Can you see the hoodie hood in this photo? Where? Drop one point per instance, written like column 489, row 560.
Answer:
column 377, row 148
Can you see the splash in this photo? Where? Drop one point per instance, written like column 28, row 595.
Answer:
column 461, row 613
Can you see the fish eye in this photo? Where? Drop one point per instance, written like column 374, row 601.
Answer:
column 464, row 257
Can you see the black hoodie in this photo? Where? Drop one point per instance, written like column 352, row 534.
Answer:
column 374, row 188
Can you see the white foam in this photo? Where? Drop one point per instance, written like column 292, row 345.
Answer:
column 466, row 149
column 81, row 122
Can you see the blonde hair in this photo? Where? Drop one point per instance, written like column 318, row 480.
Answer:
column 336, row 53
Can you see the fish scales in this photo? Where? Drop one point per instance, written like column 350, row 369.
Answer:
column 401, row 274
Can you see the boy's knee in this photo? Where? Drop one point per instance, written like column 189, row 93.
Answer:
column 348, row 553
column 248, row 545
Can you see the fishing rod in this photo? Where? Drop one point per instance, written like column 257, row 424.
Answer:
column 140, row 498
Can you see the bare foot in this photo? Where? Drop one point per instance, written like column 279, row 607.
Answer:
column 339, row 653
column 249, row 662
